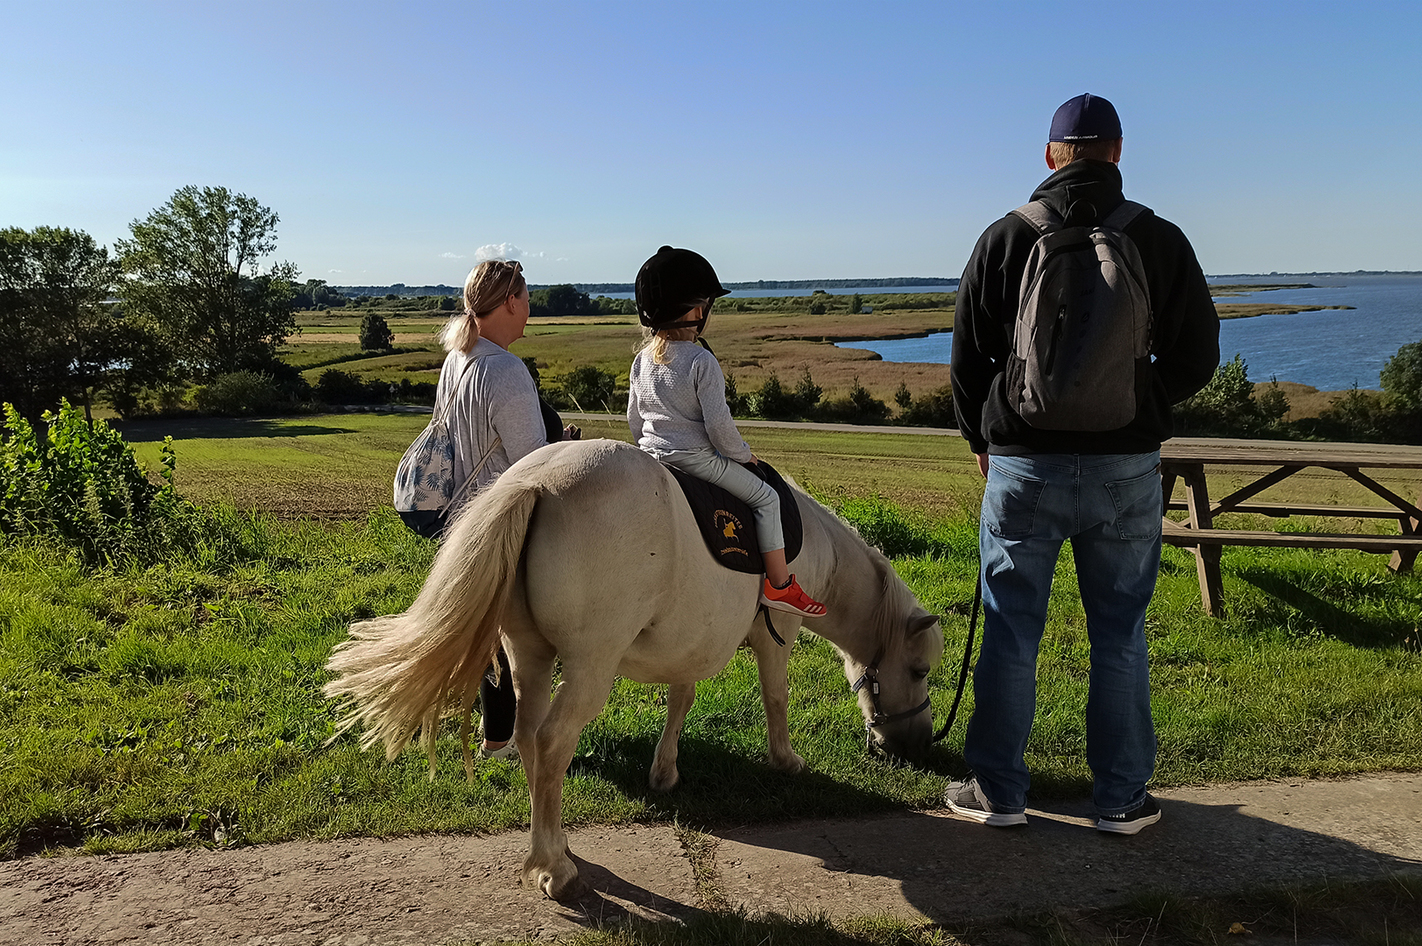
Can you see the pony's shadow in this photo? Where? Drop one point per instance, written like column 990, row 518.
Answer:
column 722, row 785
column 217, row 428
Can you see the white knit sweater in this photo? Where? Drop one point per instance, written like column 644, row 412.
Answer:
column 681, row 405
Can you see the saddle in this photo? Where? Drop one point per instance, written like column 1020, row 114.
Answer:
column 728, row 524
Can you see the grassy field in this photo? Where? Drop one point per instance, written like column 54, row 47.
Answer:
column 751, row 345
column 180, row 703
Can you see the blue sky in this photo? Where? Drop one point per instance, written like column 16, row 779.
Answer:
column 782, row 140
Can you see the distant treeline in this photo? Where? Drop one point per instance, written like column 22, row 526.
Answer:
column 889, row 282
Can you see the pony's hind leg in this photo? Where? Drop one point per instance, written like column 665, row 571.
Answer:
column 580, row 697
column 664, row 775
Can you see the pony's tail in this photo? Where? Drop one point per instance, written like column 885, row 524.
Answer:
column 401, row 670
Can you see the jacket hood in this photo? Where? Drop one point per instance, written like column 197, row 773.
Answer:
column 1098, row 182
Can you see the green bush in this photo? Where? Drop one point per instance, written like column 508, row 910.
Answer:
column 934, row 409
column 590, row 387
column 857, row 407
column 344, row 387
column 239, row 393
column 375, row 334
column 83, row 486
column 1227, row 407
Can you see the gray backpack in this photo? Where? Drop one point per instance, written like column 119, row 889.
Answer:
column 1081, row 344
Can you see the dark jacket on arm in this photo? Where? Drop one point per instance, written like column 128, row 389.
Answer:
column 1184, row 339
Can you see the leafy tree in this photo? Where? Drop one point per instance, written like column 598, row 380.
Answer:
column 446, row 303
column 192, row 266
column 902, row 396
column 375, row 334
column 1227, row 406
column 1402, row 377
column 561, row 300
column 60, row 335
column 856, row 302
column 589, row 386
column 807, row 393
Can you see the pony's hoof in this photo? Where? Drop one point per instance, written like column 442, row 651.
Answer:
column 561, row 882
column 664, row 781
column 792, row 764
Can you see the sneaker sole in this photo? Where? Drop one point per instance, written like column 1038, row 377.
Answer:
column 1127, row 827
column 993, row 819
column 787, row 608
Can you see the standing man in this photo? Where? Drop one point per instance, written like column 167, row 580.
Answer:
column 1062, row 384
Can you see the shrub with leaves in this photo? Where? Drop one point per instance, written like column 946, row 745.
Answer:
column 239, row 394
column 590, row 387
column 83, row 486
column 375, row 334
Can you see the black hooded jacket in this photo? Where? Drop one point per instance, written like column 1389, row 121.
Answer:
column 1185, row 338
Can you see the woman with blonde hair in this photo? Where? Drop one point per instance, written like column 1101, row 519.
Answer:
column 495, row 418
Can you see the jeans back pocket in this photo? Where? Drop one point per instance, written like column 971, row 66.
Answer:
column 1138, row 505
column 1010, row 503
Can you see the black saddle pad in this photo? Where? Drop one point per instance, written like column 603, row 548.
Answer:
column 728, row 524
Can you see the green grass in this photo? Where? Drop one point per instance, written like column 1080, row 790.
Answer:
column 181, row 703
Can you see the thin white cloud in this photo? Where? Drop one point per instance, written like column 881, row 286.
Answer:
column 335, row 270
column 505, row 251
column 448, row 255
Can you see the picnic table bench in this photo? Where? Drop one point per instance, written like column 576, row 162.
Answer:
column 1186, row 459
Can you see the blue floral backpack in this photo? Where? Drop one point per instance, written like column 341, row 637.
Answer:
column 424, row 481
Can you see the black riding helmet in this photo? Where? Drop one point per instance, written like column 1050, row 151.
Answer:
column 671, row 282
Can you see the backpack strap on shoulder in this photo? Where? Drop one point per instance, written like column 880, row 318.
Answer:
column 1122, row 216
column 1040, row 216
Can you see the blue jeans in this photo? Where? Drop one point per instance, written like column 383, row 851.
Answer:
column 1110, row 509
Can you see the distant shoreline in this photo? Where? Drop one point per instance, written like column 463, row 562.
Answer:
column 883, row 282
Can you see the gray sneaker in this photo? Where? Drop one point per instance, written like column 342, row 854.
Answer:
column 507, row 751
column 968, row 800
column 1131, row 822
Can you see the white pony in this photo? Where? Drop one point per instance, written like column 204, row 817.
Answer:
column 587, row 552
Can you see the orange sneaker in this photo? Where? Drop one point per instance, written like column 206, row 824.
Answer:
column 791, row 598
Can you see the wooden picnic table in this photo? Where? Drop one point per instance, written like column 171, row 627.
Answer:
column 1190, row 460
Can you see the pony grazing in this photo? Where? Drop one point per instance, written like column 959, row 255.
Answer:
column 588, row 552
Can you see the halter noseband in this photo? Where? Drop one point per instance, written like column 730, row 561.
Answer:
column 870, row 677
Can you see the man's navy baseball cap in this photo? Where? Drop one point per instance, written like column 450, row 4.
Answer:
column 1085, row 118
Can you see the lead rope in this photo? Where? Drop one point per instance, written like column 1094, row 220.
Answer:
column 967, row 660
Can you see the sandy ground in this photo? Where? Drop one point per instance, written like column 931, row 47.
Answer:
column 917, row 865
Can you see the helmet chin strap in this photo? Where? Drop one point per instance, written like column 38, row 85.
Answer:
column 698, row 324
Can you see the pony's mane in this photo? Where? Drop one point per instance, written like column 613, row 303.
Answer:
column 898, row 600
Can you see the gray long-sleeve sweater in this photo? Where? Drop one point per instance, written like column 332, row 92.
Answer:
column 496, row 397
column 681, row 405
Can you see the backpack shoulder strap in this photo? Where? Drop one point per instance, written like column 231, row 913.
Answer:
column 441, row 415
column 1122, row 216
column 1040, row 216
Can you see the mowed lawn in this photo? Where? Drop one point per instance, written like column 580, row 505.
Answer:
column 341, row 465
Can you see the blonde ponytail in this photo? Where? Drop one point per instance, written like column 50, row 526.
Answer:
column 489, row 285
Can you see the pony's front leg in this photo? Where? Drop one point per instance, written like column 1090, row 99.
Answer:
column 664, row 775
column 580, row 697
column 772, row 664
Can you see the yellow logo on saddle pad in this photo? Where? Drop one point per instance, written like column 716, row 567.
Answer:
column 729, row 526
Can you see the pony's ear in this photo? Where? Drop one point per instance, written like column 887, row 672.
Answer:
column 922, row 623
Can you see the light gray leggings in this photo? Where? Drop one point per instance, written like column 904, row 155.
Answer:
column 735, row 479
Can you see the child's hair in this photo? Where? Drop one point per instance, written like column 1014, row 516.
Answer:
column 654, row 340
column 488, row 285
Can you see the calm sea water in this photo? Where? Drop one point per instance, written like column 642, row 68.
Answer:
column 769, row 293
column 1331, row 350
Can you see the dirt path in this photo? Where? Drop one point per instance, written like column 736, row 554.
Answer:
column 921, row 865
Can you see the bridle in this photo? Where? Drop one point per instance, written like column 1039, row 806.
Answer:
column 870, row 678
